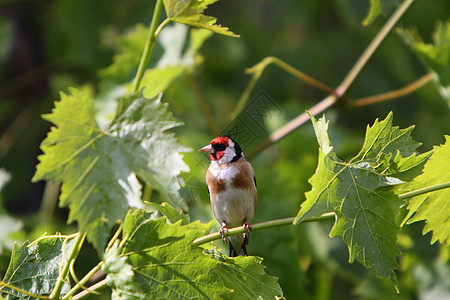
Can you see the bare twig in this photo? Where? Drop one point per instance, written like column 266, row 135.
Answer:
column 394, row 94
column 259, row 226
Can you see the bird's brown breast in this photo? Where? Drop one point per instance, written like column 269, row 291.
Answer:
column 215, row 185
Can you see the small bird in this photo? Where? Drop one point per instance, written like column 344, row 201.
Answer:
column 232, row 190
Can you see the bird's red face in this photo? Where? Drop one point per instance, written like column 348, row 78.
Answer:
column 217, row 147
column 223, row 149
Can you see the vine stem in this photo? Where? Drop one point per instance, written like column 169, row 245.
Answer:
column 97, row 286
column 258, row 69
column 80, row 284
column 425, row 190
column 374, row 44
column 289, row 221
column 394, row 94
column 18, row 289
column 293, row 124
column 66, row 267
column 342, row 88
column 151, row 37
column 260, row 226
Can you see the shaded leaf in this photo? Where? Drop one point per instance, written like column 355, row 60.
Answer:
column 190, row 12
column 433, row 207
column 165, row 264
column 98, row 168
column 365, row 214
column 35, row 268
column 435, row 55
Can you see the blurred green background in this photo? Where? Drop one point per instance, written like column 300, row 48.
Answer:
column 47, row 46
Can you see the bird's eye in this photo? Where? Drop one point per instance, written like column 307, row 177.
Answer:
column 219, row 147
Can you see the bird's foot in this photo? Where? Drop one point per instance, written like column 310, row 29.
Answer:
column 224, row 233
column 247, row 227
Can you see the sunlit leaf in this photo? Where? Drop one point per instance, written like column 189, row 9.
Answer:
column 190, row 12
column 171, row 213
column 378, row 7
column 245, row 276
column 433, row 207
column 98, row 168
column 365, row 213
column 36, row 268
column 129, row 49
column 176, row 60
column 435, row 55
column 159, row 261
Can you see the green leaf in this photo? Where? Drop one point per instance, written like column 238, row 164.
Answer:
column 433, row 207
column 171, row 213
column 435, row 56
column 176, row 60
column 365, row 213
column 35, row 268
column 246, row 276
column 99, row 169
column 161, row 262
column 190, row 12
column 129, row 48
column 376, row 8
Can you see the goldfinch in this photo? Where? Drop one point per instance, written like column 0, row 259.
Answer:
column 232, row 190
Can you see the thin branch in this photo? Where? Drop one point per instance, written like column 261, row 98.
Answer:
column 258, row 69
column 204, row 105
column 292, row 125
column 259, row 226
column 374, row 44
column 97, row 286
column 49, row 200
column 343, row 87
column 81, row 283
column 425, row 190
column 55, row 236
column 148, row 46
column 65, row 269
column 295, row 72
column 396, row 93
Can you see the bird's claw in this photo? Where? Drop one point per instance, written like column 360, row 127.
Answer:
column 224, row 233
column 247, row 227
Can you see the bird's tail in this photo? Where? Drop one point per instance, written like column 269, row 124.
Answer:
column 238, row 245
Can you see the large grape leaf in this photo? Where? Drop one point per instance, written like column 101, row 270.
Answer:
column 433, row 207
column 435, row 55
column 159, row 261
column 190, row 12
column 365, row 213
column 35, row 268
column 98, row 168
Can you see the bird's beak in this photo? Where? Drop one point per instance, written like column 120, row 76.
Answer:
column 207, row 148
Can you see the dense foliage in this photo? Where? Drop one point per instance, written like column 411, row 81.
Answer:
column 136, row 97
